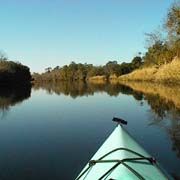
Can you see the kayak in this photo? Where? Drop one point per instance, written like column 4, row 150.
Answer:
column 122, row 158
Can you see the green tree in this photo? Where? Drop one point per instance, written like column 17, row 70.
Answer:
column 136, row 62
column 158, row 54
column 110, row 68
column 125, row 68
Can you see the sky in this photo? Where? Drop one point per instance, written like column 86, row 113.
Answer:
column 49, row 33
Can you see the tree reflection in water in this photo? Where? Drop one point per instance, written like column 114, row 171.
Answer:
column 162, row 110
column 164, row 101
column 80, row 88
column 12, row 95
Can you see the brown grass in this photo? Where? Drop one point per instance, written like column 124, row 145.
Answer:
column 169, row 72
column 165, row 73
column 145, row 74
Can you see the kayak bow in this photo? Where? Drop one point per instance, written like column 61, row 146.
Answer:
column 122, row 158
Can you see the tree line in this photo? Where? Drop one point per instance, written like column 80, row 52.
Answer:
column 80, row 88
column 162, row 48
column 79, row 71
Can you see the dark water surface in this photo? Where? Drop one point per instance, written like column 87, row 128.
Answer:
column 50, row 132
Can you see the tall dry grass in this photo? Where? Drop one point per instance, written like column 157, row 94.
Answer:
column 169, row 72
column 145, row 74
column 166, row 73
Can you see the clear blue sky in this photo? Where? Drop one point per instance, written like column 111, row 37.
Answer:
column 43, row 33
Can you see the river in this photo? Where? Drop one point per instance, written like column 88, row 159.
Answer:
column 50, row 131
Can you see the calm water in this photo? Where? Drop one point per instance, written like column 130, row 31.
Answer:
column 52, row 130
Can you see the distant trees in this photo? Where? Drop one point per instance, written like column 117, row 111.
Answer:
column 78, row 71
column 161, row 49
column 111, row 67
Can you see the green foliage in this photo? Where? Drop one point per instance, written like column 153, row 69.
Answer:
column 12, row 72
column 111, row 67
column 158, row 54
column 159, row 51
column 125, row 68
column 136, row 62
column 74, row 71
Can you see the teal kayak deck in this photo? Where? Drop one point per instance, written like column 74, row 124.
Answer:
column 120, row 138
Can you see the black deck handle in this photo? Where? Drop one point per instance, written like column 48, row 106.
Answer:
column 119, row 120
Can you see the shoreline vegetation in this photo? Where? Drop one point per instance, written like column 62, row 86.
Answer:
column 160, row 63
column 78, row 71
column 13, row 73
column 166, row 73
column 162, row 99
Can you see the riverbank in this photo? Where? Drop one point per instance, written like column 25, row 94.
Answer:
column 13, row 73
column 167, row 73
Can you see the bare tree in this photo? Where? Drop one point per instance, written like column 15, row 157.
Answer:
column 3, row 56
column 48, row 69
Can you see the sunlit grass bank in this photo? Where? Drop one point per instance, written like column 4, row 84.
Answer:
column 165, row 73
column 169, row 72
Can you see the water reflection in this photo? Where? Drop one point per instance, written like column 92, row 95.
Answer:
column 80, row 88
column 46, row 129
column 164, row 101
column 167, row 116
column 12, row 95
